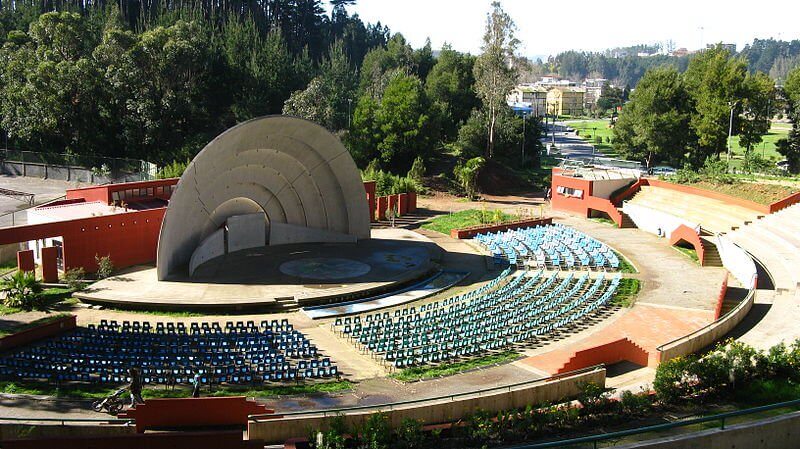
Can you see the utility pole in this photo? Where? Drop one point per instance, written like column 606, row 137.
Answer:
column 523, row 137
column 349, row 103
column 730, row 132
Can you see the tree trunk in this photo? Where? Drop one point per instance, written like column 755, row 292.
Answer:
column 490, row 143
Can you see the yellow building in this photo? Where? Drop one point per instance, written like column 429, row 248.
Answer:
column 565, row 101
column 533, row 96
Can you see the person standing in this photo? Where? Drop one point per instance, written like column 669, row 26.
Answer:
column 135, row 387
column 196, row 381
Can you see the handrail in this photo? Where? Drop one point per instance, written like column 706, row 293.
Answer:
column 451, row 397
column 658, row 427
column 63, row 421
column 14, row 212
column 734, row 310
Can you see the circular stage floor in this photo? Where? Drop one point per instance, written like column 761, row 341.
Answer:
column 279, row 277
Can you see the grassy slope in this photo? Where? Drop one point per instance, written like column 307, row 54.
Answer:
column 588, row 129
column 448, row 369
column 463, row 219
column 757, row 192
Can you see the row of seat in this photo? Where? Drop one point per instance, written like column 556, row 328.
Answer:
column 236, row 353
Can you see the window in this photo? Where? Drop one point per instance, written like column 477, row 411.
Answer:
column 569, row 192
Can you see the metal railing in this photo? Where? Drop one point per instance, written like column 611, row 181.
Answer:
column 722, row 417
column 11, row 218
column 65, row 421
column 451, row 398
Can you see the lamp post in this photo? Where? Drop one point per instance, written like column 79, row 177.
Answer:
column 730, row 131
column 524, row 117
column 349, row 103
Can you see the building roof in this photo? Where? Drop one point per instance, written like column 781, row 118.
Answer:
column 74, row 211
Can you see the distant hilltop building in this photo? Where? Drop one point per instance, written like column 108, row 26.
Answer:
column 730, row 47
column 551, row 95
column 529, row 99
column 683, row 51
column 565, row 100
column 593, row 88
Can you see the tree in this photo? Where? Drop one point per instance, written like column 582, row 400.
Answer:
column 789, row 147
column 495, row 69
column 105, row 267
column 759, row 96
column 22, row 290
column 715, row 82
column 467, row 175
column 654, row 124
column 449, row 87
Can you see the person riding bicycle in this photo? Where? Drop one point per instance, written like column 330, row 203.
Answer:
column 135, row 387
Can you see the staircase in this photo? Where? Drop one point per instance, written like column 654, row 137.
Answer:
column 287, row 304
column 712, row 257
column 626, row 220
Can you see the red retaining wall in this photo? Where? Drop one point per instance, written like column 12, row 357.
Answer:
column 25, row 260
column 175, row 440
column 193, row 412
column 37, row 333
column 50, row 264
column 723, row 290
column 468, row 233
column 688, row 235
column 104, row 193
column 609, row 353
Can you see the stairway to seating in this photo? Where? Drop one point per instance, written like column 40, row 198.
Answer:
column 714, row 215
column 711, row 257
column 627, row 222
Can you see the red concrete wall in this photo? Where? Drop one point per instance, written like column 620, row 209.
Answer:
column 193, row 412
column 130, row 238
column 50, row 264
column 402, row 203
column 393, row 200
column 629, row 192
column 412, row 202
column 369, row 186
column 723, row 290
column 33, row 334
column 609, row 353
column 784, row 203
column 688, row 235
column 104, row 192
column 165, row 440
column 561, row 202
column 380, row 211
column 468, row 233
column 25, row 259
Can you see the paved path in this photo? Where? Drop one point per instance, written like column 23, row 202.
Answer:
column 568, row 144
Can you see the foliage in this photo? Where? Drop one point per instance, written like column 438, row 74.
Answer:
column 105, row 267
column 495, row 69
column 635, row 404
column 377, row 432
column 22, row 291
column 449, row 89
column 174, row 169
column 626, row 292
column 417, row 171
column 674, row 379
column 389, row 184
column 594, row 399
column 467, row 175
column 789, row 147
column 654, row 125
column 75, row 278
column 409, row 434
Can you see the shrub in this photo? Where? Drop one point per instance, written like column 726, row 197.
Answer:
column 410, row 435
column 674, row 379
column 417, row 171
column 594, row 399
column 377, row 433
column 172, row 170
column 22, row 291
column 467, row 175
column 635, row 404
column 333, row 438
column 74, row 278
column 105, row 267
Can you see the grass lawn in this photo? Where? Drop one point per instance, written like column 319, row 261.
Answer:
column 765, row 148
column 95, row 391
column 448, row 369
column 34, row 323
column 688, row 252
column 465, row 219
column 626, row 292
column 760, row 193
column 625, row 265
column 590, row 129
column 52, row 296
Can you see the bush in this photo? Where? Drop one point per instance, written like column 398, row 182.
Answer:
column 74, row 278
column 377, row 433
column 635, row 404
column 417, row 171
column 594, row 400
column 105, row 267
column 22, row 291
column 467, row 175
column 675, row 379
column 172, row 170
column 410, row 435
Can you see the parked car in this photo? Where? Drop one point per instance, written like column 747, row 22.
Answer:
column 663, row 170
column 783, row 165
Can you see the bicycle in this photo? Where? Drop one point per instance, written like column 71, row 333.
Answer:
column 112, row 403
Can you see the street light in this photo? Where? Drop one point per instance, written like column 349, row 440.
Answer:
column 524, row 114
column 349, row 103
column 730, row 131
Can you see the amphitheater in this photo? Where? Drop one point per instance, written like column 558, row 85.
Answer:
column 335, row 297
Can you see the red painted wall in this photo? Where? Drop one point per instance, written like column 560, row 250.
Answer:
column 689, row 236
column 402, row 203
column 25, row 260
column 609, row 353
column 163, row 440
column 369, row 186
column 561, row 202
column 37, row 333
column 104, row 192
column 723, row 290
column 191, row 412
column 50, row 264
column 130, row 238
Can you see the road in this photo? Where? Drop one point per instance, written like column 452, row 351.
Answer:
column 569, row 145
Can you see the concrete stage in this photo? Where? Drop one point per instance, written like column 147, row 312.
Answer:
column 279, row 278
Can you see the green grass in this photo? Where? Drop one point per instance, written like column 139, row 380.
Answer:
column 626, row 292
column 465, row 219
column 7, row 266
column 691, row 253
column 40, row 321
column 588, row 129
column 625, row 265
column 94, row 391
column 51, row 297
column 603, row 220
column 767, row 148
column 761, row 193
column 448, row 369
column 164, row 313
column 759, row 392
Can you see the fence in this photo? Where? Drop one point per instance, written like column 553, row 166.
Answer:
column 72, row 167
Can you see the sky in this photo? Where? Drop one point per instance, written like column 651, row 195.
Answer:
column 549, row 27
